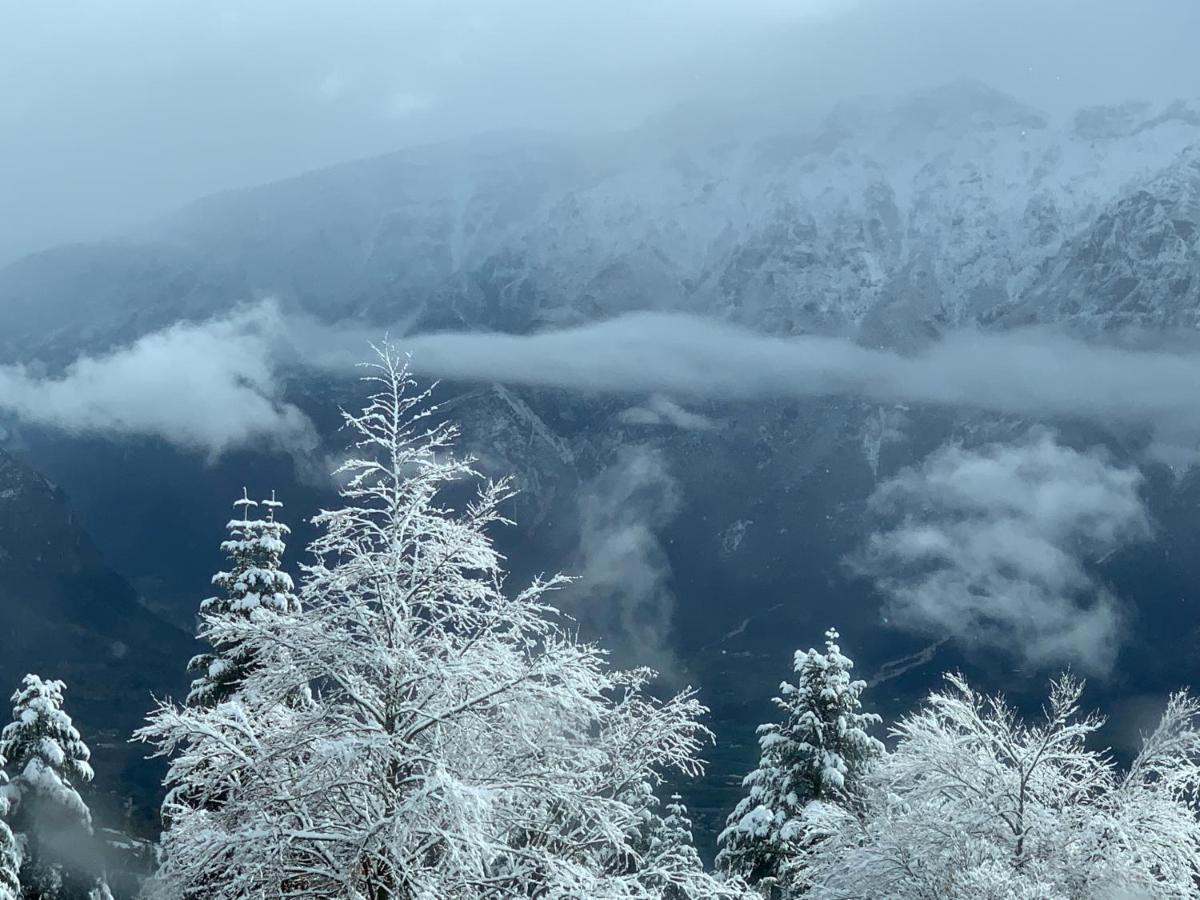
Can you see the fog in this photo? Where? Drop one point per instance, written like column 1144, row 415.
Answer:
column 926, row 369
column 205, row 388
column 992, row 545
column 236, row 366
column 113, row 113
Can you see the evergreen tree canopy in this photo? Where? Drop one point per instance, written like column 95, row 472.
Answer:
column 48, row 764
column 817, row 753
column 10, row 852
column 254, row 582
column 43, row 749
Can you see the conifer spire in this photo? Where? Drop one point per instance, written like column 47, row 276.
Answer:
column 255, row 548
column 818, row 753
column 48, row 763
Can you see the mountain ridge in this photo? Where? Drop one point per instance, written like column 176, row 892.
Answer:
column 886, row 222
column 945, row 208
column 68, row 615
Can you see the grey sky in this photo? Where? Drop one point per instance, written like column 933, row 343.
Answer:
column 112, row 112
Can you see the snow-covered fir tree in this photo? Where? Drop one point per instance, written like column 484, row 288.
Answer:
column 670, row 848
column 460, row 741
column 48, row 762
column 977, row 804
column 819, row 752
column 10, row 851
column 254, row 581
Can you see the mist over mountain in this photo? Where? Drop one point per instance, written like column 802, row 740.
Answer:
column 886, row 220
column 733, row 522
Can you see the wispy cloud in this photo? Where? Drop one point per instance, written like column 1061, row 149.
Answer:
column 208, row 386
column 663, row 411
column 229, row 373
column 408, row 103
column 1037, row 373
column 995, row 546
column 624, row 591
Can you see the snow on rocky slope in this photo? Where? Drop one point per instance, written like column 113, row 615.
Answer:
column 885, row 220
column 882, row 219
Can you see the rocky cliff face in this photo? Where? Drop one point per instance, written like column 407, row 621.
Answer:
column 888, row 222
column 67, row 615
column 883, row 220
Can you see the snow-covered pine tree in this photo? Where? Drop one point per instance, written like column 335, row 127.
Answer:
column 47, row 761
column 10, row 852
column 818, row 753
column 460, row 740
column 254, row 581
column 676, row 835
column 671, row 849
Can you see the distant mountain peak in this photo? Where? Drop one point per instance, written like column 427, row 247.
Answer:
column 890, row 216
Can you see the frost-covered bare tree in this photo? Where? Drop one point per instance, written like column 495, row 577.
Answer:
column 460, row 741
column 977, row 804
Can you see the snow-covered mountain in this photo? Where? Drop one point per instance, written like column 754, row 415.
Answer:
column 68, row 615
column 881, row 219
column 886, row 221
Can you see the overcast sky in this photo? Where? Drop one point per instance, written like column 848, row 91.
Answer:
column 114, row 111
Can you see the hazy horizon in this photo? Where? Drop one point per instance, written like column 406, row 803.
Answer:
column 118, row 115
